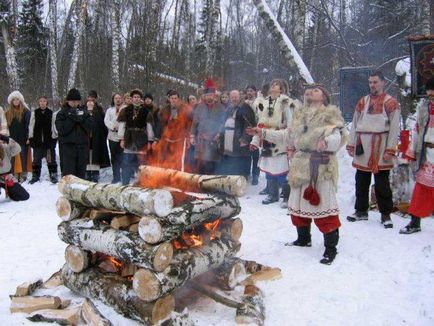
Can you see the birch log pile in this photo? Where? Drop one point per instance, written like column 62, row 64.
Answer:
column 116, row 292
column 122, row 245
column 253, row 310
column 185, row 265
column 152, row 177
column 133, row 200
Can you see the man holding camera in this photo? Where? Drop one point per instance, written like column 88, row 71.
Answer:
column 74, row 124
column 372, row 144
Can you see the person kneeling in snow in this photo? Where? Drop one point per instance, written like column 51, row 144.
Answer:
column 8, row 149
column 422, row 151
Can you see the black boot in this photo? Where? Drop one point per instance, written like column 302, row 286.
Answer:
column 303, row 237
column 330, row 242
column 266, row 189
column 273, row 192
column 95, row 176
column 412, row 227
column 386, row 221
column 52, row 169
column 36, row 174
column 255, row 180
column 358, row 216
column 88, row 175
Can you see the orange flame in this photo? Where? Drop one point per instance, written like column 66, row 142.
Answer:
column 198, row 236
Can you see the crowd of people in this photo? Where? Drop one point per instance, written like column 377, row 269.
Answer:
column 238, row 132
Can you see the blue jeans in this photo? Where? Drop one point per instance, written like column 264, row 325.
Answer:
column 130, row 164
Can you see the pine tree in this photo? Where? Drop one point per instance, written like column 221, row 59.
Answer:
column 32, row 46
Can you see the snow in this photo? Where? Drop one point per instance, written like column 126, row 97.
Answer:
column 378, row 278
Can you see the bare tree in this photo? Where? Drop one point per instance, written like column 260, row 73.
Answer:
column 116, row 31
column 81, row 18
column 53, row 49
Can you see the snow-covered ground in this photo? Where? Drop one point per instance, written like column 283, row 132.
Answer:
column 378, row 278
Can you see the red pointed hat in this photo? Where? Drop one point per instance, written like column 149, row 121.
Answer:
column 209, row 87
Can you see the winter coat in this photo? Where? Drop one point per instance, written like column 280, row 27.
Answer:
column 207, row 125
column 74, row 125
column 237, row 120
column 112, row 124
column 374, row 131
column 136, row 129
column 40, row 128
column 19, row 130
column 98, row 139
column 10, row 150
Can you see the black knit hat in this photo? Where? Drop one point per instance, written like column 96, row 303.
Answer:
column 251, row 87
column 148, row 95
column 93, row 94
column 73, row 95
column 430, row 84
column 136, row 91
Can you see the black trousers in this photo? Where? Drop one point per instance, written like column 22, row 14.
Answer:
column 16, row 192
column 255, row 160
column 74, row 159
column 207, row 167
column 383, row 192
column 50, row 155
column 116, row 152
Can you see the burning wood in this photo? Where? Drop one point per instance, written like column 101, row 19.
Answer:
column 122, row 245
column 116, row 291
column 117, row 198
column 155, row 177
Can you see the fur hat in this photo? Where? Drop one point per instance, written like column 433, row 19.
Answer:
column 430, row 84
column 136, row 91
column 18, row 95
column 73, row 95
column 148, row 95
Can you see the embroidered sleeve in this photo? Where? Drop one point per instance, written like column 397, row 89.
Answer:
column 392, row 105
column 360, row 105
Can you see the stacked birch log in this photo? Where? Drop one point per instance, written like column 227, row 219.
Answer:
column 121, row 238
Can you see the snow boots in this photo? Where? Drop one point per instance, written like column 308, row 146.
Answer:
column 330, row 242
column 255, row 180
column 386, row 221
column 303, row 237
column 265, row 190
column 412, row 227
column 273, row 192
column 358, row 216
column 92, row 176
column 36, row 174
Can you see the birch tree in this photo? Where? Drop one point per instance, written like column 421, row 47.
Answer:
column 116, row 31
column 53, row 50
column 81, row 18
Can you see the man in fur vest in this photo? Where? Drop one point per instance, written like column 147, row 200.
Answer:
column 317, row 132
column 422, row 152
column 136, row 134
column 372, row 143
column 42, row 142
column 274, row 113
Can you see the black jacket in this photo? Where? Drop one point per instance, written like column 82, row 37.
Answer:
column 19, row 130
column 42, row 131
column 98, row 139
column 136, row 119
column 74, row 125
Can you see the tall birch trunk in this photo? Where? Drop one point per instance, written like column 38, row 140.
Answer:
column 81, row 17
column 116, row 29
column 53, row 50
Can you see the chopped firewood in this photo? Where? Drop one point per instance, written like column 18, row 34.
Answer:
column 29, row 304
column 117, row 292
column 134, row 228
column 68, row 210
column 133, row 200
column 185, row 265
column 229, row 274
column 59, row 316
column 213, row 294
column 128, row 270
column 122, row 245
column 252, row 266
column 154, row 229
column 102, row 213
column 53, row 281
column 178, row 319
column 151, row 176
column 76, row 258
column 92, row 316
column 263, row 275
column 253, row 311
column 124, row 221
column 65, row 303
column 27, row 288
column 233, row 228
column 108, row 266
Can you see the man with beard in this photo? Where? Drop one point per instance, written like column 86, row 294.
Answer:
column 372, row 144
column 136, row 134
column 206, row 130
column 175, row 120
column 73, row 125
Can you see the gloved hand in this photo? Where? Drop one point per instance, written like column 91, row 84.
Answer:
column 4, row 139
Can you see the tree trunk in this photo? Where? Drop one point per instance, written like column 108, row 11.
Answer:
column 11, row 61
column 53, row 51
column 68, row 210
column 186, row 265
column 81, row 18
column 282, row 40
column 116, row 292
column 253, row 312
column 151, row 176
column 116, row 31
column 133, row 200
column 122, row 245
